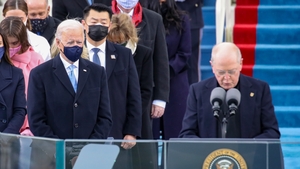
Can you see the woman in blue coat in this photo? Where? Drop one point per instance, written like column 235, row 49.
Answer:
column 178, row 39
column 12, row 92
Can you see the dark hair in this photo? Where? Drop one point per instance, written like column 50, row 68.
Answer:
column 6, row 48
column 13, row 26
column 17, row 5
column 170, row 13
column 97, row 7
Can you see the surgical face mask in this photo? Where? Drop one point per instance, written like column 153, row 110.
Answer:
column 97, row 32
column 39, row 25
column 13, row 51
column 127, row 4
column 2, row 51
column 73, row 53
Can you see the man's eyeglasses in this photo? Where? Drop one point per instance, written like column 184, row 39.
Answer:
column 223, row 72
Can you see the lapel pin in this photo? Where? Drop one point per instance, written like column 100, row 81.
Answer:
column 84, row 70
column 112, row 56
column 251, row 94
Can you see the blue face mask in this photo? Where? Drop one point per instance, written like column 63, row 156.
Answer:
column 2, row 51
column 73, row 53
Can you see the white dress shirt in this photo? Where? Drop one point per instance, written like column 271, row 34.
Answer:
column 101, row 53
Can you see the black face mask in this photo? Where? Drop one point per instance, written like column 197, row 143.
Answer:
column 97, row 32
column 39, row 25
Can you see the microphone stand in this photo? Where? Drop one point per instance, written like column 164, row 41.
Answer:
column 224, row 127
column 225, row 121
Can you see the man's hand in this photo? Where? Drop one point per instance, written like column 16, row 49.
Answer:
column 129, row 145
column 157, row 111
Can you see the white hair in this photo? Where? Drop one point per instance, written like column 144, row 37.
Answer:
column 67, row 25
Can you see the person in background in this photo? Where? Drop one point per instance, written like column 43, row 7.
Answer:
column 255, row 116
column 68, row 96
column 21, row 53
column 178, row 38
column 41, row 22
column 122, row 31
column 122, row 78
column 12, row 106
column 19, row 9
column 151, row 34
column 194, row 8
column 67, row 9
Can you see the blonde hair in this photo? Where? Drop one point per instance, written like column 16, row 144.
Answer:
column 122, row 28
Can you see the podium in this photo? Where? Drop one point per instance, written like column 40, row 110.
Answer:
column 224, row 154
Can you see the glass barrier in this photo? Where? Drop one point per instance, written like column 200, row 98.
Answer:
column 22, row 152
column 111, row 154
column 33, row 152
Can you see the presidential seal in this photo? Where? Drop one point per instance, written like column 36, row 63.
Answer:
column 224, row 159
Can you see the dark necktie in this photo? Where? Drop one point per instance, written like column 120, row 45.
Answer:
column 95, row 56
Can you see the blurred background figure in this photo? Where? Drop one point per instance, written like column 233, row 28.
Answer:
column 42, row 23
column 178, row 38
column 68, row 9
column 194, row 8
column 21, row 53
column 19, row 9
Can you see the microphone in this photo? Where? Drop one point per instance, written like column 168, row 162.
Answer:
column 233, row 98
column 217, row 98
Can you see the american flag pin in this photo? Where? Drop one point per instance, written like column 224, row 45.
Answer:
column 112, row 56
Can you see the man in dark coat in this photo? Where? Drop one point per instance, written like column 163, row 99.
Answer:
column 63, row 9
column 151, row 34
column 42, row 23
column 68, row 97
column 255, row 117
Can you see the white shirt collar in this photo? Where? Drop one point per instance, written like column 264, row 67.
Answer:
column 102, row 47
column 67, row 64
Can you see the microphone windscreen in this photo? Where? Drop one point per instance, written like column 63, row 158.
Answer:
column 217, row 94
column 233, row 96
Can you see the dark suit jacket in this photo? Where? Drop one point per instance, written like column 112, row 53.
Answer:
column 144, row 65
column 56, row 111
column 257, row 111
column 193, row 7
column 12, row 98
column 151, row 34
column 124, row 91
column 63, row 9
column 49, row 32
